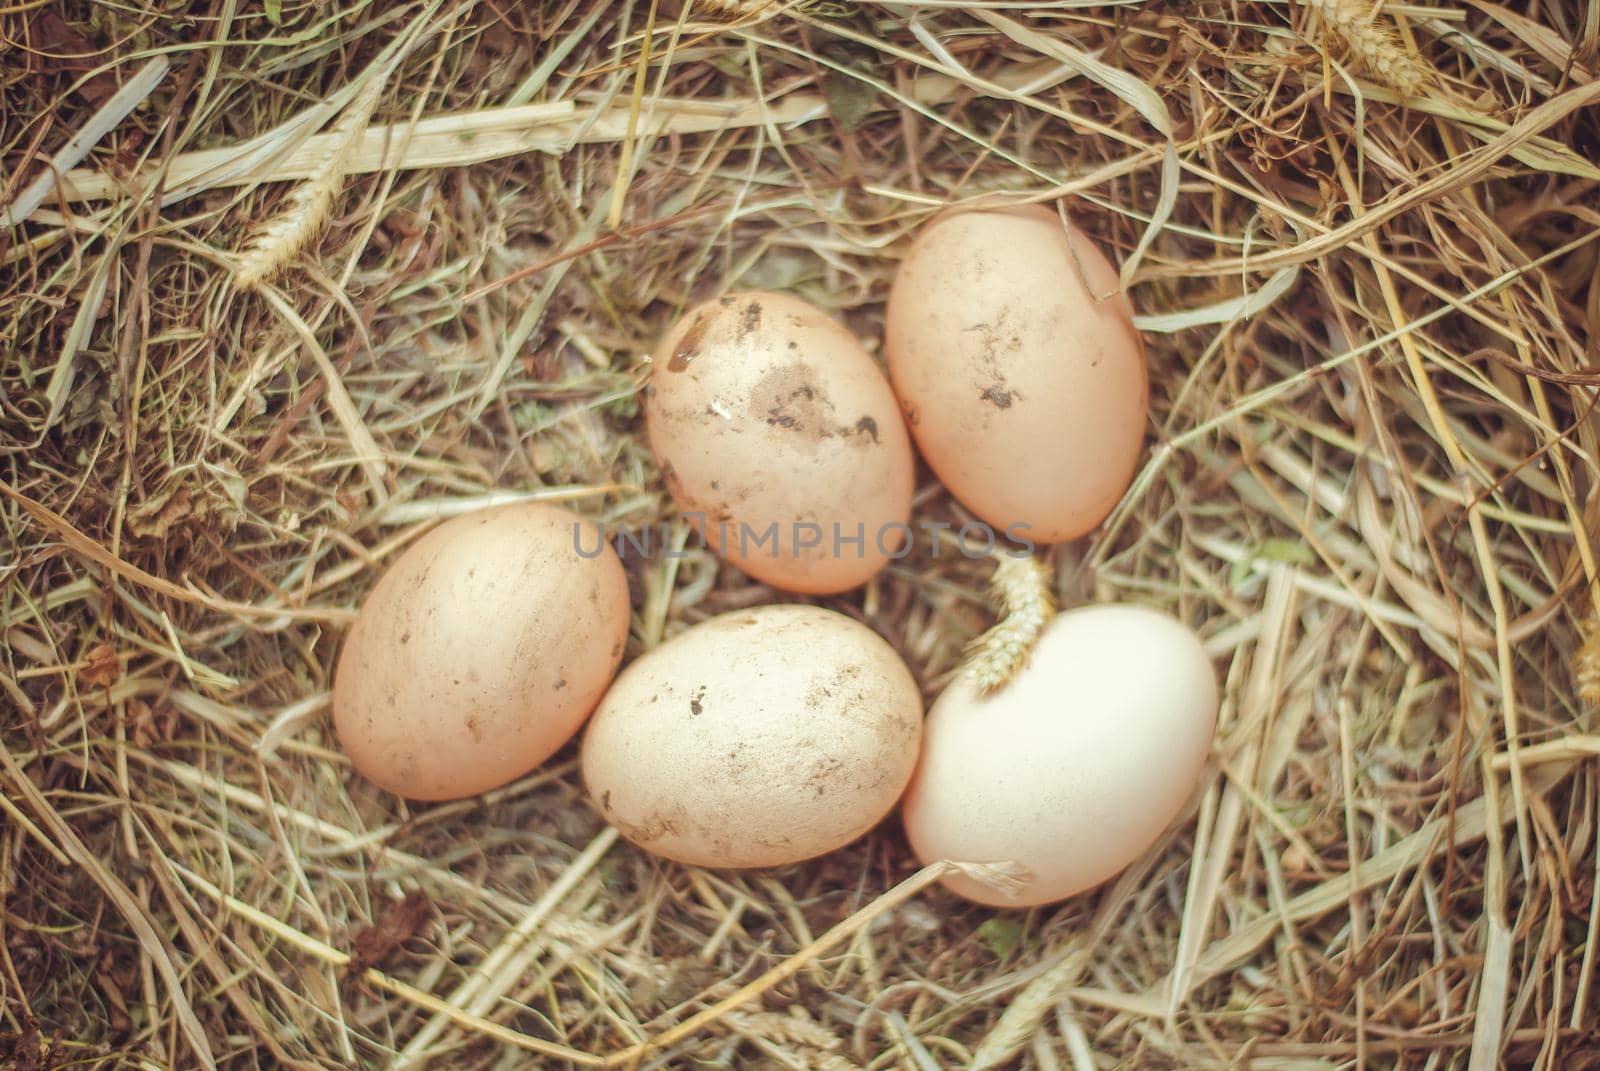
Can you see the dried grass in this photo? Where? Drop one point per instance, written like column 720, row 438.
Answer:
column 1371, row 485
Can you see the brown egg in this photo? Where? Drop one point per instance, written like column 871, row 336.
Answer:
column 1013, row 352
column 480, row 651
column 780, row 439
column 1077, row 766
column 757, row 738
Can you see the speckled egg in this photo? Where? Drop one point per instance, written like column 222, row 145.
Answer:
column 757, row 738
column 782, row 442
column 480, row 651
column 1012, row 349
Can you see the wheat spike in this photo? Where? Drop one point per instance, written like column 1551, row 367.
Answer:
column 1373, row 43
column 1586, row 666
column 761, row 10
column 789, row 1029
column 276, row 242
column 1021, row 584
column 819, row 1045
column 1021, row 1019
column 733, row 8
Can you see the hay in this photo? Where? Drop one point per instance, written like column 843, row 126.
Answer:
column 1371, row 484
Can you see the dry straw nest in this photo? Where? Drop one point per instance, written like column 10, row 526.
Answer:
column 347, row 267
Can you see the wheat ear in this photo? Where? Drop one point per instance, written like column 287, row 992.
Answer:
column 1373, row 43
column 1586, row 666
column 276, row 242
column 733, row 8
column 793, row 1030
column 1021, row 584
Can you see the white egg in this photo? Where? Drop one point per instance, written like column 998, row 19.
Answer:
column 1077, row 766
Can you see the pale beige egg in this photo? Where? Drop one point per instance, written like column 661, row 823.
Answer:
column 1077, row 766
column 1012, row 349
column 480, row 651
column 782, row 442
column 757, row 738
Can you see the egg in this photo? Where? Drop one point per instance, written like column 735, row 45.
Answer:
column 1012, row 349
column 1077, row 766
column 756, row 738
column 480, row 651
column 781, row 440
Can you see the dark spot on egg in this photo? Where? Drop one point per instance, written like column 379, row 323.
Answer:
column 997, row 396
column 750, row 320
column 688, row 347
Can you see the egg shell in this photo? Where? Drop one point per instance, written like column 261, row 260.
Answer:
column 757, row 738
column 1078, row 765
column 1012, row 349
column 480, row 651
column 768, row 417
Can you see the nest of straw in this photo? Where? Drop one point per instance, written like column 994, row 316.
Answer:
column 343, row 268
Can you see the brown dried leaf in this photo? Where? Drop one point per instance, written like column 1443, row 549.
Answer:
column 399, row 923
column 69, row 50
column 149, row 727
column 100, row 667
column 153, row 518
column 27, row 1054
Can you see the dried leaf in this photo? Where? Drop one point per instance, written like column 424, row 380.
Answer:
column 27, row 1054
column 147, row 726
column 100, row 667
column 399, row 923
column 154, row 517
column 65, row 49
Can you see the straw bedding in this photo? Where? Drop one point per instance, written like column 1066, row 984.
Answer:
column 349, row 267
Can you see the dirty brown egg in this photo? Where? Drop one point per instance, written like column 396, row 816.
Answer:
column 1012, row 349
column 782, row 442
column 757, row 738
column 480, row 651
